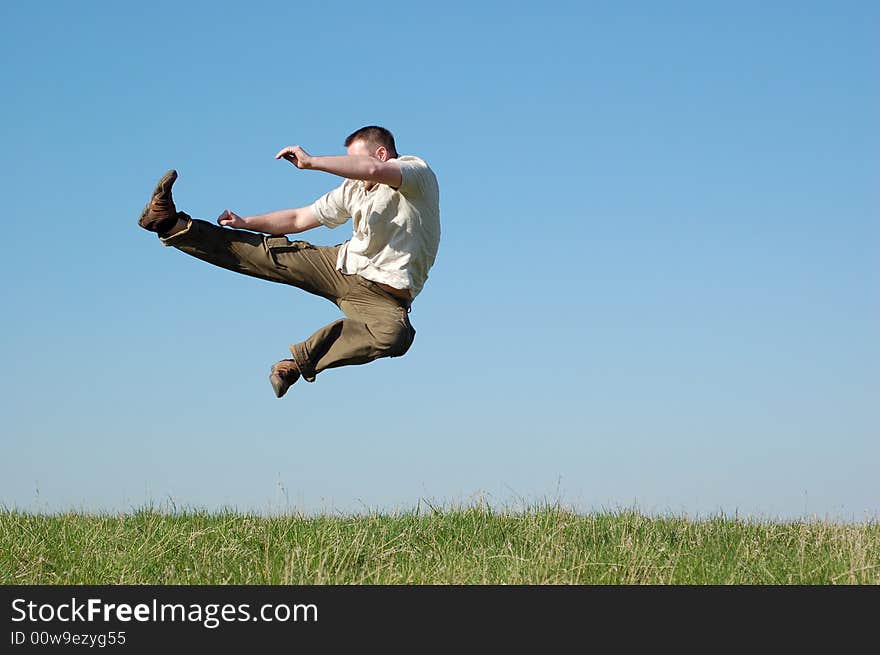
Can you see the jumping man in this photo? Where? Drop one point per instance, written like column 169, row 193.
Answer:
column 373, row 277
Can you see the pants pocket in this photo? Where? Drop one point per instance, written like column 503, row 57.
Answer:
column 279, row 246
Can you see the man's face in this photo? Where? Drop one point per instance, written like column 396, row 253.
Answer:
column 360, row 147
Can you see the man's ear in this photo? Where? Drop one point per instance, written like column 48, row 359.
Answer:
column 382, row 153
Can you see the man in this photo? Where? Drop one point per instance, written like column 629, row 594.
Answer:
column 373, row 277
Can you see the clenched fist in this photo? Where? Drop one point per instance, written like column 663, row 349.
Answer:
column 231, row 219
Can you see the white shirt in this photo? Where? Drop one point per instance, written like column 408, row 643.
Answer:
column 396, row 232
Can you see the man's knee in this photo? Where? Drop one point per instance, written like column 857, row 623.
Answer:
column 394, row 339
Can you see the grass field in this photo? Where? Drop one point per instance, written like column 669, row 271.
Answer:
column 545, row 545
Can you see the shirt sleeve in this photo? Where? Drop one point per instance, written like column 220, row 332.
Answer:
column 330, row 208
column 412, row 174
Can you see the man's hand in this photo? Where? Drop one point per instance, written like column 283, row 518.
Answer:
column 231, row 219
column 296, row 156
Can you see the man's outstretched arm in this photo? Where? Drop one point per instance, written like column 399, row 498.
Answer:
column 284, row 221
column 353, row 167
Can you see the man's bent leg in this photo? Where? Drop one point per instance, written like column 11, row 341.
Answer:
column 377, row 326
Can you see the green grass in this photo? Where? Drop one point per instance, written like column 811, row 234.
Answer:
column 545, row 545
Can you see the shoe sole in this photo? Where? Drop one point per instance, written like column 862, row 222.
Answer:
column 279, row 386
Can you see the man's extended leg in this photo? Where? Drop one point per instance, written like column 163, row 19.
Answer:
column 276, row 259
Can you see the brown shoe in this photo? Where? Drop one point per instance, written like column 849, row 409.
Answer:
column 282, row 375
column 160, row 215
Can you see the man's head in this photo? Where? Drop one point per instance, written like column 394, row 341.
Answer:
column 372, row 141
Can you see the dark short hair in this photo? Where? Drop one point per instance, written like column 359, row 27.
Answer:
column 375, row 135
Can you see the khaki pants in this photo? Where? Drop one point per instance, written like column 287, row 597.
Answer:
column 377, row 323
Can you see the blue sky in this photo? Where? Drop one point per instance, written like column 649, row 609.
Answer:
column 657, row 284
